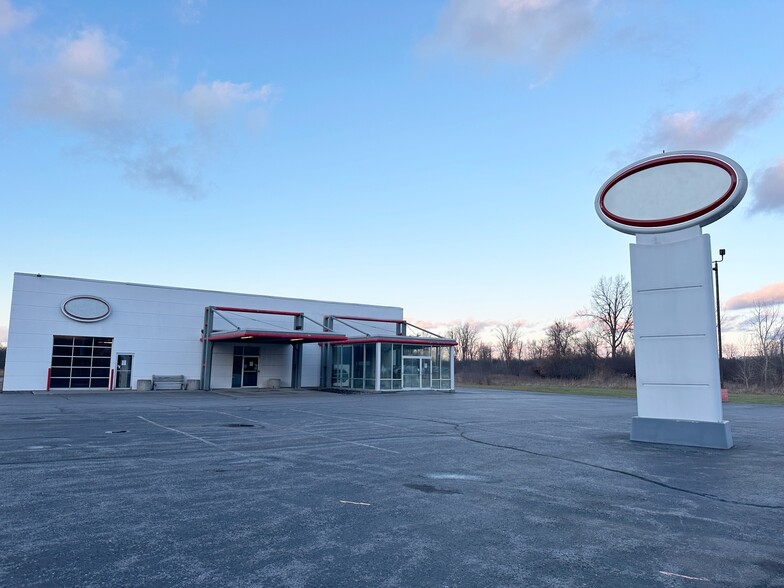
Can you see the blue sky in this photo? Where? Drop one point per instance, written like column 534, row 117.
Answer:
column 440, row 155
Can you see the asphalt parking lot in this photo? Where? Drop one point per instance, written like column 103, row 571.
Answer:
column 302, row 488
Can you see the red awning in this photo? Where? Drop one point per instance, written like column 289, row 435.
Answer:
column 246, row 336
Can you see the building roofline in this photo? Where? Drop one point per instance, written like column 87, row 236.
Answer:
column 140, row 285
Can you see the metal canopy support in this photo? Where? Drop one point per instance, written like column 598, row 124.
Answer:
column 296, row 365
column 206, row 350
column 326, row 366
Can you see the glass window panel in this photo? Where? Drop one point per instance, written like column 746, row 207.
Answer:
column 340, row 375
column 82, row 372
column 67, row 341
column 83, row 351
column 386, row 384
column 80, row 382
column 370, row 362
column 82, row 361
column 101, row 362
column 60, row 383
column 357, row 383
column 102, row 343
column 83, row 341
column 99, row 383
column 102, row 352
column 61, row 361
column 61, row 372
column 359, row 363
column 387, row 360
column 99, row 373
column 62, row 351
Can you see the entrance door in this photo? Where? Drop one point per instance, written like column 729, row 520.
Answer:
column 417, row 372
column 250, row 371
column 123, row 378
column 245, row 368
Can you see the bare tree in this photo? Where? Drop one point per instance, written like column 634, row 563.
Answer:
column 484, row 351
column 611, row 311
column 535, row 349
column 467, row 336
column 588, row 344
column 559, row 337
column 508, row 337
column 767, row 327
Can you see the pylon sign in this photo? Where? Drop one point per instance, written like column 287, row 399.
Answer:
column 665, row 201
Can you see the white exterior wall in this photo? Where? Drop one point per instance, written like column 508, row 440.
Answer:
column 161, row 327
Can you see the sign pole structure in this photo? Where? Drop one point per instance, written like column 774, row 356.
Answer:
column 664, row 201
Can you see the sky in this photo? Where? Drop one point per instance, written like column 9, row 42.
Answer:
column 439, row 155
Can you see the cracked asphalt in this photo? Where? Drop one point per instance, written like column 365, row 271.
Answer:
column 305, row 488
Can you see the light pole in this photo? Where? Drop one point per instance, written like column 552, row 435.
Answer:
column 718, row 311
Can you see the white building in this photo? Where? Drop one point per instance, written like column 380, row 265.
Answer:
column 72, row 333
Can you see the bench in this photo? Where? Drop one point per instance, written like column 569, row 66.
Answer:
column 168, row 382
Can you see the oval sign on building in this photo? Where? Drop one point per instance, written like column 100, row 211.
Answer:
column 670, row 192
column 86, row 309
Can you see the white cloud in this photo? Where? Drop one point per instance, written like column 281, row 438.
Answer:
column 12, row 19
column 693, row 129
column 539, row 32
column 770, row 294
column 77, row 86
column 768, row 189
column 133, row 116
column 208, row 101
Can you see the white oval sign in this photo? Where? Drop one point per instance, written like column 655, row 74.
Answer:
column 86, row 309
column 670, row 192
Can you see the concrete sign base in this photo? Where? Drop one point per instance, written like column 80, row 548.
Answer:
column 674, row 432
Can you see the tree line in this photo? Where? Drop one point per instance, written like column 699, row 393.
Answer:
column 597, row 344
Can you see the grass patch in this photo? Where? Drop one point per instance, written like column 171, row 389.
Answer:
column 756, row 398
column 577, row 390
column 610, row 392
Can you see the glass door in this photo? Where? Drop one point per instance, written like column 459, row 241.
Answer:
column 410, row 372
column 417, row 373
column 245, row 368
column 250, row 371
column 123, row 377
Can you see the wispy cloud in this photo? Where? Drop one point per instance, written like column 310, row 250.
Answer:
column 208, row 102
column 12, row 19
column 189, row 11
column 537, row 32
column 164, row 168
column 772, row 293
column 87, row 85
column 713, row 129
column 768, row 189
